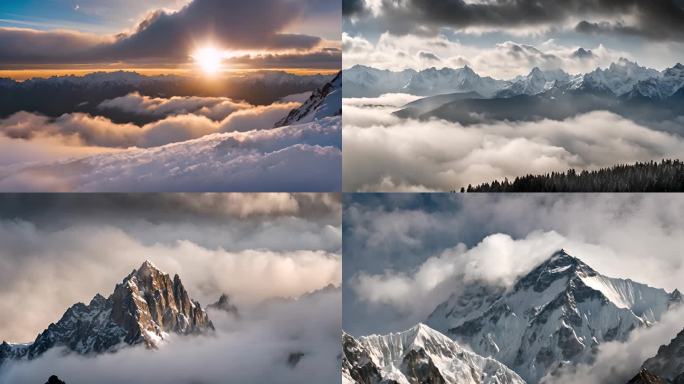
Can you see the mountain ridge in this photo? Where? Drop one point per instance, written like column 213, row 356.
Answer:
column 325, row 101
column 142, row 310
column 555, row 315
column 418, row 355
column 620, row 78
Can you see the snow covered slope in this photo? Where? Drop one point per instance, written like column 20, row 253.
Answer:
column 323, row 102
column 300, row 157
column 143, row 309
column 556, row 315
column 418, row 355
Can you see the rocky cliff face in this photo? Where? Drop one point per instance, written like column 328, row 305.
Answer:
column 143, row 309
column 668, row 363
column 646, row 377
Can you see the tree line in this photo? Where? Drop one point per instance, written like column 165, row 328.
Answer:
column 663, row 176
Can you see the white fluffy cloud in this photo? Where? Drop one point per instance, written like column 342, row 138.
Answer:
column 215, row 108
column 303, row 157
column 252, row 349
column 180, row 119
column 74, row 260
column 503, row 60
column 497, row 259
column 384, row 153
column 429, row 244
column 282, row 290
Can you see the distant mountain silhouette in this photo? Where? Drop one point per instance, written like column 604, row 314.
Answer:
column 56, row 96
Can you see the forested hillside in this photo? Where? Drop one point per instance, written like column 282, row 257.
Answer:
column 664, row 176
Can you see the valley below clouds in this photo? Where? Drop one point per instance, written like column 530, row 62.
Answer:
column 383, row 152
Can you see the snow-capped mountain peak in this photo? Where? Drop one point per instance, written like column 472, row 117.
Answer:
column 557, row 314
column 537, row 81
column 670, row 81
column 143, row 309
column 620, row 77
column 323, row 102
column 418, row 355
column 433, row 81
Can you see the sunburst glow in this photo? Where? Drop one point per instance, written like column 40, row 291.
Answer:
column 209, row 59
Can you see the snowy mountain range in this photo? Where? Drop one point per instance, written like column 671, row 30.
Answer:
column 144, row 309
column 418, row 355
column 622, row 78
column 556, row 315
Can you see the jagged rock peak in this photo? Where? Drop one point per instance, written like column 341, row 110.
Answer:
column 646, row 377
column 224, row 304
column 54, row 380
column 560, row 264
column 143, row 309
column 149, row 304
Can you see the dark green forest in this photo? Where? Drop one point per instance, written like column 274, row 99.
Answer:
column 664, row 176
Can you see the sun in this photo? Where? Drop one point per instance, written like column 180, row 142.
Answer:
column 209, row 59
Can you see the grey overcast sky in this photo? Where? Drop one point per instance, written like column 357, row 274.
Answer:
column 508, row 38
column 405, row 253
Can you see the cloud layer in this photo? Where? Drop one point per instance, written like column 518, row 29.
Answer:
column 503, row 60
column 303, row 157
column 657, row 20
column 429, row 244
column 383, row 153
column 179, row 119
column 276, row 255
column 252, row 349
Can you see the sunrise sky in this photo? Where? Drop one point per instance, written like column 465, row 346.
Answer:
column 58, row 37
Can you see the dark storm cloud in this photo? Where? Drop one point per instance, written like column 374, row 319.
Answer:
column 256, row 24
column 31, row 46
column 353, row 7
column 657, row 19
column 325, row 58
